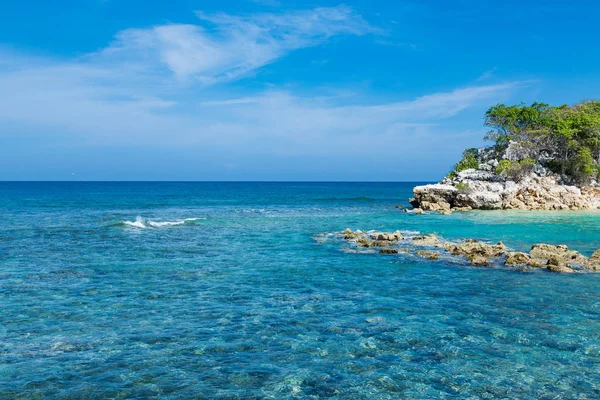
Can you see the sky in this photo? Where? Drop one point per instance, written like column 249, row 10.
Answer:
column 275, row 90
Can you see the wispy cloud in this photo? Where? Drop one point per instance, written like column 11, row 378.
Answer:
column 226, row 47
column 486, row 75
column 77, row 101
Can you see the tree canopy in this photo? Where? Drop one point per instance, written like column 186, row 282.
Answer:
column 566, row 137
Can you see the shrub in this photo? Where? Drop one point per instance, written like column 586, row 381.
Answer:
column 580, row 169
column 502, row 166
column 584, row 166
column 469, row 161
column 515, row 171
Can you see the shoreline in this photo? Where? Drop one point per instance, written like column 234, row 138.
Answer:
column 479, row 189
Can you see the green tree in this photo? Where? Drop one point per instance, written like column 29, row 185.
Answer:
column 515, row 122
column 571, row 134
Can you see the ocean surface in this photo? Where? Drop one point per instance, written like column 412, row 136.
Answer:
column 241, row 291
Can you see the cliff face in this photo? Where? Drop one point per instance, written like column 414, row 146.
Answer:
column 483, row 188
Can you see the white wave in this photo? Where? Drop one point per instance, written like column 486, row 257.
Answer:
column 143, row 223
column 254, row 211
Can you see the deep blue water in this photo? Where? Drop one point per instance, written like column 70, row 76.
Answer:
column 232, row 290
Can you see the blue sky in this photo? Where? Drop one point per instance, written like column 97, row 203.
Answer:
column 272, row 90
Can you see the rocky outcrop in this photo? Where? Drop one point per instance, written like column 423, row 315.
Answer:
column 349, row 234
column 482, row 188
column 428, row 240
column 554, row 258
column 478, row 253
column 392, row 237
column 434, row 197
column 547, row 253
column 428, row 254
column 473, row 248
column 593, row 264
column 556, row 264
column 389, row 251
column 532, row 193
column 374, row 240
column 479, row 261
column 517, row 258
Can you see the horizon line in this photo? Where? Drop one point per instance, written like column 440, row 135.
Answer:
column 201, row 181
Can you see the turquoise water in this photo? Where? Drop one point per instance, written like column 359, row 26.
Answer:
column 232, row 290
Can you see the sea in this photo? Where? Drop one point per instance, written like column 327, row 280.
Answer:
column 243, row 290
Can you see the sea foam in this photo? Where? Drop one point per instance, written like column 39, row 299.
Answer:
column 143, row 223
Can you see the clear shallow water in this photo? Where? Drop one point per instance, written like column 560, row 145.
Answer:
column 229, row 290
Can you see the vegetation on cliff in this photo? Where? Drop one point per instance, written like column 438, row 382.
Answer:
column 468, row 161
column 566, row 139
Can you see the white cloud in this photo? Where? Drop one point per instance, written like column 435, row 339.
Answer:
column 76, row 100
column 228, row 47
column 125, row 97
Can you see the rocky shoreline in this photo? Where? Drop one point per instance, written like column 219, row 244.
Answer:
column 484, row 188
column 554, row 258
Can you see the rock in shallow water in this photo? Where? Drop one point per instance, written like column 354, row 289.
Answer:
column 561, row 252
column 479, row 261
column 593, row 264
column 349, row 234
column 430, row 255
column 473, row 248
column 381, row 243
column 389, row 251
column 393, row 237
column 560, row 268
column 554, row 258
column 517, row 258
column 427, row 240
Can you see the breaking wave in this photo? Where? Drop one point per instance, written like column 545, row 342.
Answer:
column 143, row 223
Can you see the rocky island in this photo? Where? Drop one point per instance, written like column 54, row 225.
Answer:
column 543, row 158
